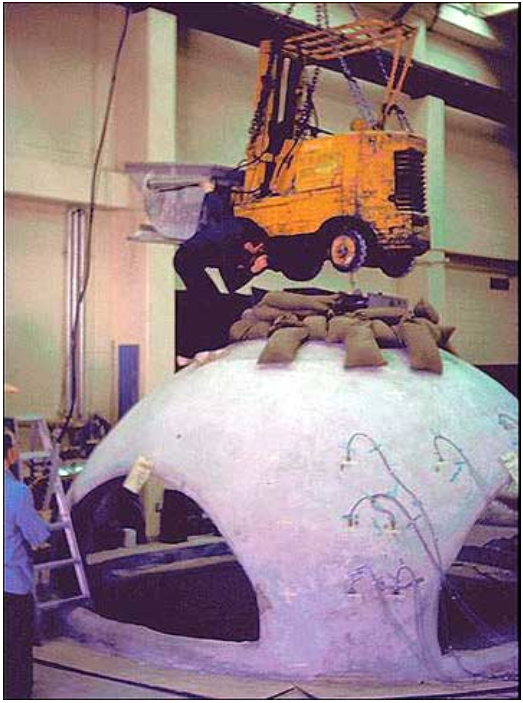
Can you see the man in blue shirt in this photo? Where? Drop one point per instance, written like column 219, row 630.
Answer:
column 23, row 529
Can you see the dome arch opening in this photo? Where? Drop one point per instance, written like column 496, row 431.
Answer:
column 186, row 582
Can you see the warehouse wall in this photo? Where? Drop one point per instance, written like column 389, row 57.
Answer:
column 34, row 303
column 58, row 59
column 57, row 65
column 481, row 187
column 34, row 357
column 484, row 318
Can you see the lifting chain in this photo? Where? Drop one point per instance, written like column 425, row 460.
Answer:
column 355, row 90
column 378, row 53
column 322, row 15
column 363, row 105
column 380, row 58
column 402, row 118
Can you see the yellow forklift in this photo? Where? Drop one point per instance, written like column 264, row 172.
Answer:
column 362, row 193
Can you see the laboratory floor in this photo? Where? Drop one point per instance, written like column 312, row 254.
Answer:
column 68, row 670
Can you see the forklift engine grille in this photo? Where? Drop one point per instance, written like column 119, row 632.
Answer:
column 409, row 180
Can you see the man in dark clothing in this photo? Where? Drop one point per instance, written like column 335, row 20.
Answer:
column 240, row 250
column 223, row 246
column 221, row 241
column 23, row 529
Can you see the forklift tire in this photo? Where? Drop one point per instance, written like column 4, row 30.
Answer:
column 300, row 271
column 346, row 246
column 396, row 265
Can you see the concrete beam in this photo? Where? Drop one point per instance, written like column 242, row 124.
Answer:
column 67, row 183
column 250, row 23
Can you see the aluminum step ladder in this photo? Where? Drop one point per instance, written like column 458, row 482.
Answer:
column 49, row 452
column 65, row 524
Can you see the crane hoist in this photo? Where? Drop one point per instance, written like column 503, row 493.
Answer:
column 363, row 192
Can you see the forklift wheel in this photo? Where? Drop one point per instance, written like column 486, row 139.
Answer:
column 347, row 250
column 396, row 265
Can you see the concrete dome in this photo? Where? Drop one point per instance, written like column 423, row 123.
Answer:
column 344, row 494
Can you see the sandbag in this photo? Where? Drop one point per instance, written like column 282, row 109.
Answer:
column 283, row 345
column 270, row 313
column 361, row 348
column 389, row 315
column 422, row 350
column 286, row 319
column 317, row 326
column 446, row 334
column 266, row 312
column 441, row 334
column 385, row 335
column 260, row 330
column 339, row 326
column 248, row 314
column 426, row 310
column 238, row 330
column 432, row 327
column 293, row 301
column 243, row 330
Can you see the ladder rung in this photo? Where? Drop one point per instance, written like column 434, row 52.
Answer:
column 46, row 605
column 35, row 456
column 58, row 564
column 28, row 418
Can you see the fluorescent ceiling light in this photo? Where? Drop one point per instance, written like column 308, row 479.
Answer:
column 485, row 10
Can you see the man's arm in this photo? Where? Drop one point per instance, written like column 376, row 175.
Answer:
column 235, row 275
column 235, row 268
column 33, row 528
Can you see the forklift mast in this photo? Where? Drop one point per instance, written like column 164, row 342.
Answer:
column 276, row 125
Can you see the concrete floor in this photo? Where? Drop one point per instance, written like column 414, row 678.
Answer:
column 67, row 670
column 56, row 684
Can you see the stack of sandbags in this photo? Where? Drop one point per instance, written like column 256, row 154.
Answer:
column 256, row 322
column 287, row 320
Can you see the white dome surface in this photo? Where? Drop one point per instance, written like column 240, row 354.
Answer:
column 345, row 494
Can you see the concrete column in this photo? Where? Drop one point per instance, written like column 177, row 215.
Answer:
column 429, row 121
column 436, row 281
column 161, row 48
column 420, row 47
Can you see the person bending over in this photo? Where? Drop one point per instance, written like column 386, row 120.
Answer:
column 240, row 250
column 221, row 242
